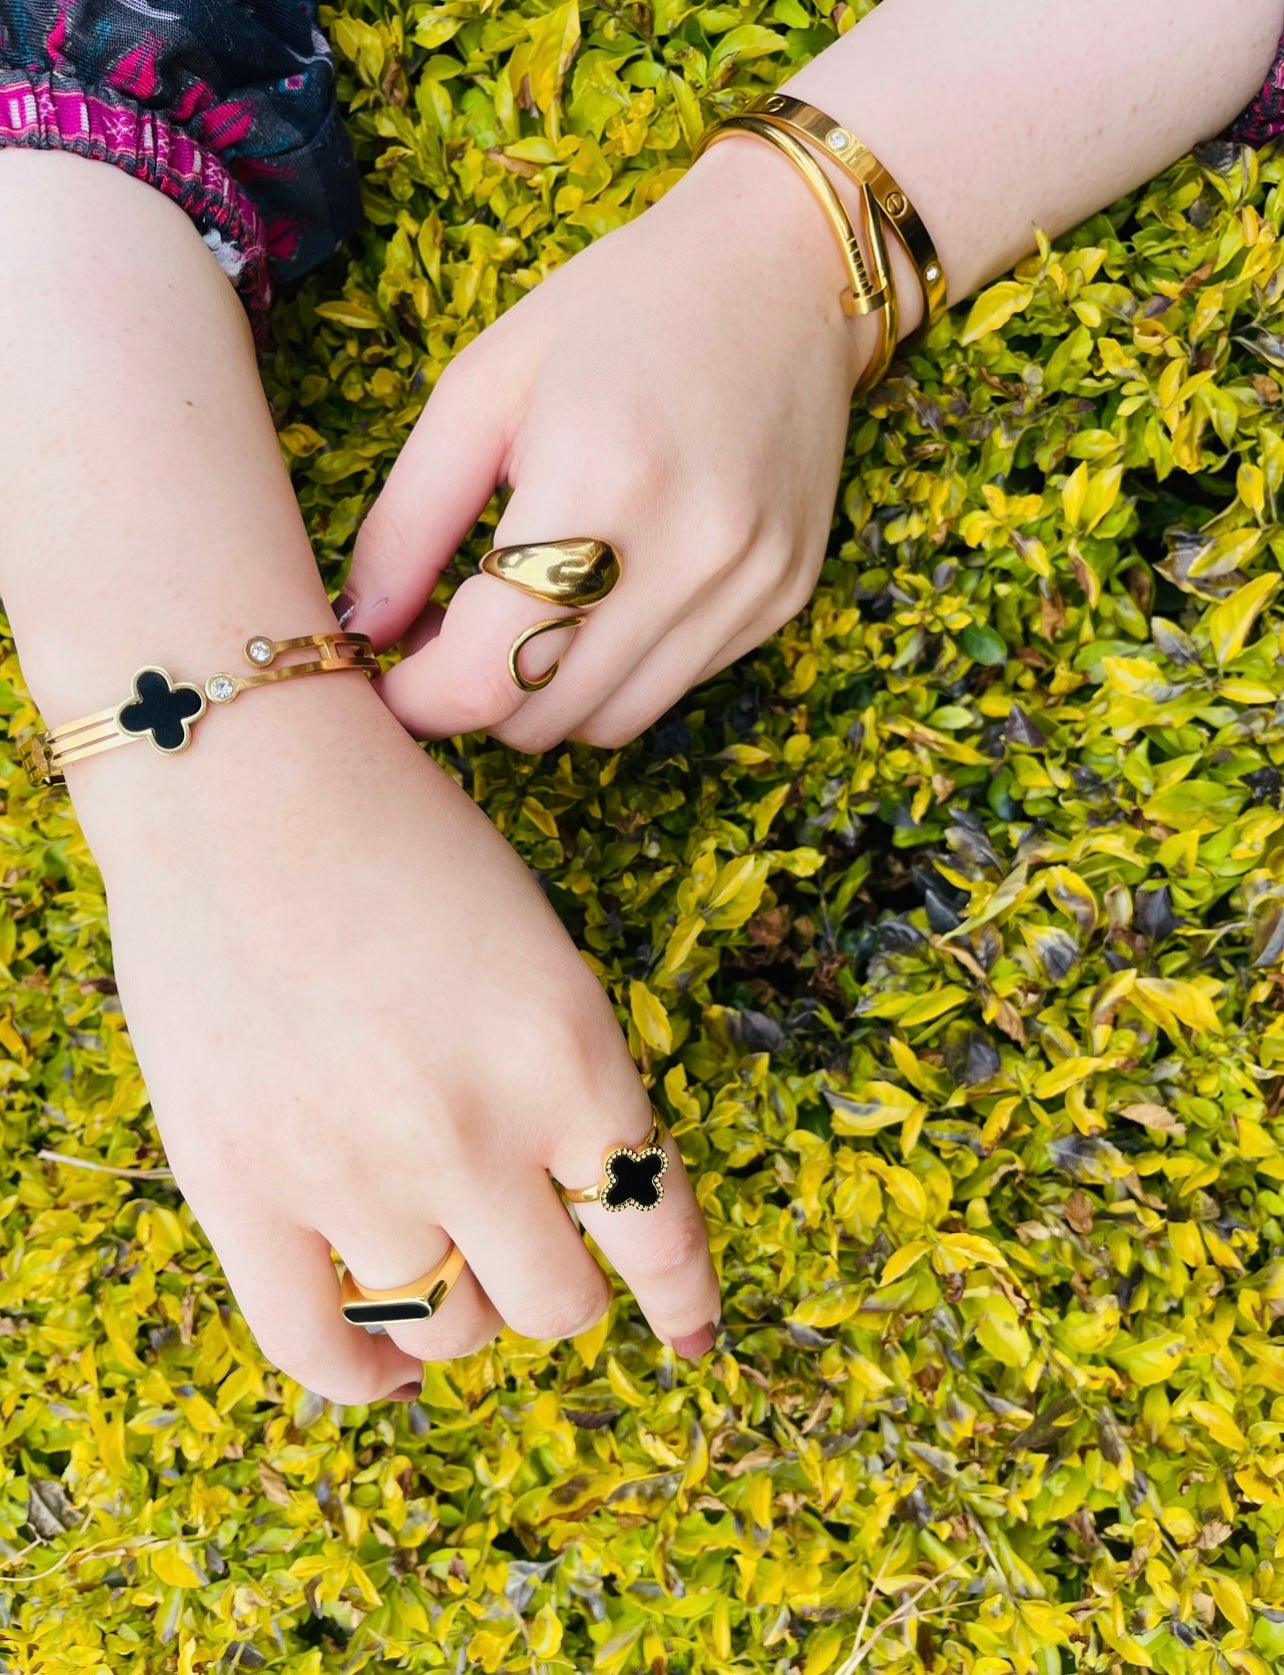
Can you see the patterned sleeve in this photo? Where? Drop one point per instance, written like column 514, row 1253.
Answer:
column 1263, row 120
column 226, row 106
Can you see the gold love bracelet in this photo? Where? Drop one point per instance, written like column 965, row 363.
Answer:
column 785, row 122
column 164, row 711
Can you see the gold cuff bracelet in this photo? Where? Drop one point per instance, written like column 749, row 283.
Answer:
column 784, row 121
column 861, row 295
column 860, row 163
column 163, row 711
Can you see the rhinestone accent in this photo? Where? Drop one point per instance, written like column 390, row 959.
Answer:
column 931, row 271
column 220, row 688
column 260, row 651
column 836, row 139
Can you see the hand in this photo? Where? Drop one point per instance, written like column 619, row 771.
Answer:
column 362, row 1026
column 680, row 388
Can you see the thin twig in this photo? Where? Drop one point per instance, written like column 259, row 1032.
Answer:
column 160, row 1174
column 860, row 1651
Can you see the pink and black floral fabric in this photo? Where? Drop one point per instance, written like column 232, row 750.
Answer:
column 1264, row 118
column 226, row 106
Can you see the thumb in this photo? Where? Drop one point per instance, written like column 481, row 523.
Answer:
column 447, row 471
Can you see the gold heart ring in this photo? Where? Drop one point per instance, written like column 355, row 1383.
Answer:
column 578, row 572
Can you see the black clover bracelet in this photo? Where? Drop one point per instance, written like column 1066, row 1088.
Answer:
column 163, row 711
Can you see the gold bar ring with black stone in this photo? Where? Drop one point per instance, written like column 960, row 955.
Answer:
column 418, row 1299
column 577, row 572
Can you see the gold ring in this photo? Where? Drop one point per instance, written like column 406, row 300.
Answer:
column 631, row 1175
column 515, row 651
column 417, row 1300
column 578, row 572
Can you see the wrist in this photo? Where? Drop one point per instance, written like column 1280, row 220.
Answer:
column 272, row 764
column 750, row 191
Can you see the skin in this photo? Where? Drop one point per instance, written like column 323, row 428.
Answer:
column 319, row 941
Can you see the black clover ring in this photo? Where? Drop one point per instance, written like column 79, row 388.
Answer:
column 161, row 709
column 634, row 1177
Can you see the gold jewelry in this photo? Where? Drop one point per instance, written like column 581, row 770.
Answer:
column 163, row 711
column 579, row 571
column 630, row 1175
column 861, row 296
column 419, row 1299
column 860, row 163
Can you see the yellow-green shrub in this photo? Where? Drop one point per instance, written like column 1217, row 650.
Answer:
column 948, row 926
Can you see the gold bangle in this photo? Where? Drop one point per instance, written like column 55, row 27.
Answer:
column 164, row 711
column 838, row 141
column 861, row 296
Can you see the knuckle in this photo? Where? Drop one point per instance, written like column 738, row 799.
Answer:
column 679, row 1249
column 611, row 733
column 288, row 1348
column 449, row 1342
column 456, row 376
column 733, row 522
column 483, row 693
column 530, row 740
column 563, row 1313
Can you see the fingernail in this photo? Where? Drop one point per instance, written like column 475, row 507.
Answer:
column 406, row 1392
column 343, row 608
column 695, row 1344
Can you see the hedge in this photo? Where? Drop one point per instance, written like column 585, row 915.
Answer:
column 947, row 926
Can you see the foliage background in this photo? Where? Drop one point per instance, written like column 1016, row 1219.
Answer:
column 948, row 926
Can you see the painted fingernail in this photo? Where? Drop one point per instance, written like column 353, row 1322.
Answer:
column 406, row 1392
column 343, row 608
column 695, row 1344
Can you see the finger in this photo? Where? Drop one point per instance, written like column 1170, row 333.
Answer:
column 528, row 1255
column 438, row 487
column 620, row 682
column 425, row 627
column 675, row 667
column 458, row 681
column 647, row 637
column 662, row 1254
column 392, row 1252
column 287, row 1288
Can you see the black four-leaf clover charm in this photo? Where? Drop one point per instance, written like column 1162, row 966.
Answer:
column 634, row 1177
column 162, row 708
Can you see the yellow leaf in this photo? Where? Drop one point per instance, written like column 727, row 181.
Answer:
column 878, row 1105
column 1074, row 492
column 1160, row 996
column 1229, row 622
column 175, row 1567
column 546, row 1633
column 1065, row 1075
column 994, row 308
column 1219, row 1424
column 686, row 933
column 902, row 1260
column 1229, row 1596
column 650, row 1017
column 1001, row 1333
column 1150, row 1361
column 957, row 1252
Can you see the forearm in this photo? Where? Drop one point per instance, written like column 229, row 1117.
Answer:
column 996, row 115
column 148, row 517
